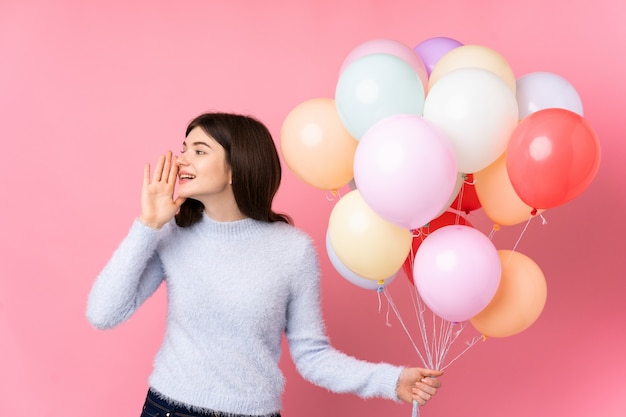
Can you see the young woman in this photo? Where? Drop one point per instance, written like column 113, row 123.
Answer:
column 238, row 276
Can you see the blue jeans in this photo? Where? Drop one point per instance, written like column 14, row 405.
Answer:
column 158, row 407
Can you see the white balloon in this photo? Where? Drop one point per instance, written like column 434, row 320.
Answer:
column 478, row 112
column 543, row 90
column 374, row 87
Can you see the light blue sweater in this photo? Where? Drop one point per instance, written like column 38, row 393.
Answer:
column 233, row 289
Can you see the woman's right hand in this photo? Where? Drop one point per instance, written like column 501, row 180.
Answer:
column 158, row 205
column 418, row 384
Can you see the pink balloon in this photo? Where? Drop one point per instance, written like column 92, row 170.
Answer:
column 432, row 49
column 456, row 271
column 405, row 169
column 391, row 47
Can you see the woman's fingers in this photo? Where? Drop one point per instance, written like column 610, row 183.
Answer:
column 432, row 381
column 158, row 169
column 146, row 175
column 157, row 197
column 421, row 396
column 166, row 170
column 167, row 164
column 173, row 174
column 426, row 389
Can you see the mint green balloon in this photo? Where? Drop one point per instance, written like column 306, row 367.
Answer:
column 375, row 87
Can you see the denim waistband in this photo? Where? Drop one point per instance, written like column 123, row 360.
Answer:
column 170, row 409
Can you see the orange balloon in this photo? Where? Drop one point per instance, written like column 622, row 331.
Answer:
column 497, row 196
column 316, row 146
column 519, row 300
column 473, row 56
column 364, row 242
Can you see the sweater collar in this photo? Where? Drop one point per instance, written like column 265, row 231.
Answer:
column 233, row 230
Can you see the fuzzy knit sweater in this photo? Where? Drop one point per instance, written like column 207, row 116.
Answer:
column 233, row 289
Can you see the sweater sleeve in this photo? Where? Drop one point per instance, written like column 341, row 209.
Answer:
column 133, row 273
column 314, row 357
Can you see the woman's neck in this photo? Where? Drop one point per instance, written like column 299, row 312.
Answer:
column 224, row 214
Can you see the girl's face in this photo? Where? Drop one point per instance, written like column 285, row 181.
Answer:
column 203, row 173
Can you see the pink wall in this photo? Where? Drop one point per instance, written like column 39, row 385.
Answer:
column 89, row 91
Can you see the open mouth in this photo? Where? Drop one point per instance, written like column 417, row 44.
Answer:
column 186, row 176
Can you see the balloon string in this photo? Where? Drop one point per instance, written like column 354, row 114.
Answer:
column 380, row 290
column 419, row 309
column 459, row 200
column 445, row 342
column 522, row 233
column 494, row 229
column 518, row 241
column 416, row 410
column 430, row 350
column 444, row 336
column 387, row 322
column 470, row 344
column 395, row 309
column 332, row 195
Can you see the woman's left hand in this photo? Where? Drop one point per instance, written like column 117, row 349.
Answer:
column 418, row 384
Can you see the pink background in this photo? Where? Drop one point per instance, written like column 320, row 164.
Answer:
column 90, row 91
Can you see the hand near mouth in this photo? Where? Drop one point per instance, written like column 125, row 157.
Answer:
column 157, row 193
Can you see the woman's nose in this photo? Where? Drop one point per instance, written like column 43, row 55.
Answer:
column 180, row 160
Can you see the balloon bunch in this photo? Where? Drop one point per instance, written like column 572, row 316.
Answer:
column 422, row 135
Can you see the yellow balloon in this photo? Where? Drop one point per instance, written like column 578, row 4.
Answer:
column 519, row 299
column 473, row 56
column 497, row 196
column 364, row 242
column 316, row 146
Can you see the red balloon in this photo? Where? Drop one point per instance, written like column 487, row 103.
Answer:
column 552, row 157
column 467, row 199
column 447, row 218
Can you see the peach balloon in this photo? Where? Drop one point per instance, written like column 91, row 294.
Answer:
column 497, row 197
column 364, row 242
column 473, row 56
column 519, row 299
column 316, row 146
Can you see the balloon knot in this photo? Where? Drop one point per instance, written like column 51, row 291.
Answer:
column 484, row 338
column 496, row 227
column 533, row 212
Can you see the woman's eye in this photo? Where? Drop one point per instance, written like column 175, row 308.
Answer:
column 200, row 152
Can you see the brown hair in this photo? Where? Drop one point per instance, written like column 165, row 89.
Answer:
column 253, row 158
